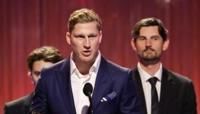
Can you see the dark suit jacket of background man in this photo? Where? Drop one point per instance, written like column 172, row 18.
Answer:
column 19, row 106
column 177, row 93
column 54, row 89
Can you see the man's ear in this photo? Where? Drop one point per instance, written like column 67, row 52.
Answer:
column 101, row 35
column 166, row 44
column 133, row 44
column 67, row 36
column 30, row 76
column 29, row 73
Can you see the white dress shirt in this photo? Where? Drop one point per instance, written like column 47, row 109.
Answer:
column 78, row 81
column 144, row 76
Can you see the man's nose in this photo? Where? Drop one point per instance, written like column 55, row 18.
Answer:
column 148, row 42
column 87, row 43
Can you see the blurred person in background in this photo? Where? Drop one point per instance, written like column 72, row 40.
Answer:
column 37, row 60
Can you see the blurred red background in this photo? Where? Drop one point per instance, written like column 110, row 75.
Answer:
column 28, row 24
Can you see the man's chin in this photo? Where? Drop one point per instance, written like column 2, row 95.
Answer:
column 149, row 61
column 87, row 59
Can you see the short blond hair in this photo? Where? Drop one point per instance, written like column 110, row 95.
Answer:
column 83, row 15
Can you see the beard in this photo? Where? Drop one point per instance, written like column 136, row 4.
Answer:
column 149, row 56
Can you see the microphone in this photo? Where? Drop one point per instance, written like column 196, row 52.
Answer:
column 87, row 90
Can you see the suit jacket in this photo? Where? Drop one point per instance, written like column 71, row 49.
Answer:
column 177, row 93
column 19, row 106
column 53, row 94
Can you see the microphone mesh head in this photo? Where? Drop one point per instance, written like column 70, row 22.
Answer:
column 87, row 89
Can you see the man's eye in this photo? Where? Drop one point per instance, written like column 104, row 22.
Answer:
column 141, row 38
column 80, row 36
column 92, row 36
column 155, row 38
column 36, row 73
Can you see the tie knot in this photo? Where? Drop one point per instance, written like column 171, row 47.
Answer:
column 153, row 81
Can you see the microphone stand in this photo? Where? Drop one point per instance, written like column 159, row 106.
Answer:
column 90, row 111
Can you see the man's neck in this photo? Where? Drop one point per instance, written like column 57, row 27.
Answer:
column 150, row 68
column 84, row 68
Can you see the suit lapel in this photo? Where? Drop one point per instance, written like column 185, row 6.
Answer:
column 168, row 88
column 65, row 83
column 139, row 88
column 102, row 84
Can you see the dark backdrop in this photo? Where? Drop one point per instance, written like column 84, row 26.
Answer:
column 27, row 24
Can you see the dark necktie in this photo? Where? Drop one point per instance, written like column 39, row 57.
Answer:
column 154, row 96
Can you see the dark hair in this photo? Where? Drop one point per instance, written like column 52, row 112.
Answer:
column 46, row 53
column 152, row 21
column 83, row 15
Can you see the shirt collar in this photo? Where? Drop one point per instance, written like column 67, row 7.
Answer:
column 146, row 76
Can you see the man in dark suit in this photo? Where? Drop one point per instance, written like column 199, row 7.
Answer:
column 162, row 91
column 38, row 59
column 60, row 89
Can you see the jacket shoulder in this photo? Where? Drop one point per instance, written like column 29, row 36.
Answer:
column 117, row 67
column 18, row 106
column 179, row 77
column 18, row 101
